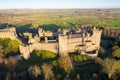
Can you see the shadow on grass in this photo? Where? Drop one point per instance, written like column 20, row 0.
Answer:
column 38, row 58
column 50, row 27
column 26, row 28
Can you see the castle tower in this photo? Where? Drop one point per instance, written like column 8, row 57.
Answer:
column 96, row 37
column 65, row 31
column 26, row 50
column 13, row 31
column 62, row 44
column 40, row 32
column 46, row 39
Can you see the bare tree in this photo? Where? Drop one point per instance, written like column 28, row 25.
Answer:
column 116, row 53
column 34, row 71
column 47, row 71
column 11, row 63
column 65, row 63
column 111, row 66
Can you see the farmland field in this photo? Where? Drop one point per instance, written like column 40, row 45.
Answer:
column 63, row 18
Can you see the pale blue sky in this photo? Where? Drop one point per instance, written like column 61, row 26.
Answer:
column 55, row 4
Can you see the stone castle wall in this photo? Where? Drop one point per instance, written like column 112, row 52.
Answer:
column 8, row 33
column 46, row 46
column 26, row 50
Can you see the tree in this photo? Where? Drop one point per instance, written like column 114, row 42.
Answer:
column 95, row 76
column 47, row 71
column 11, row 63
column 34, row 71
column 115, row 47
column 65, row 62
column 116, row 53
column 1, row 55
column 1, row 60
column 78, row 77
column 102, row 50
column 110, row 66
column 8, row 76
column 1, row 51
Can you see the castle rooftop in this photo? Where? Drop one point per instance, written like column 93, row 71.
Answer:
column 76, row 35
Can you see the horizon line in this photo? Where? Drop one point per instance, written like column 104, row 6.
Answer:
column 55, row 8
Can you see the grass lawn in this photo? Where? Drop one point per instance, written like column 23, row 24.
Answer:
column 80, row 58
column 9, row 47
column 38, row 57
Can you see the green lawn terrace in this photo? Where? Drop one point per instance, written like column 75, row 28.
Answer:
column 38, row 57
column 8, row 47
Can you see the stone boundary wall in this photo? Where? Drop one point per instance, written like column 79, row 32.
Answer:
column 27, row 49
column 46, row 46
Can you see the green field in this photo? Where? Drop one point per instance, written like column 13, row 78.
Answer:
column 115, row 28
column 68, row 21
column 64, row 18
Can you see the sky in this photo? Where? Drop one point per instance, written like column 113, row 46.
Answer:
column 58, row 4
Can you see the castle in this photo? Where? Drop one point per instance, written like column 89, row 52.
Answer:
column 84, row 41
column 81, row 40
